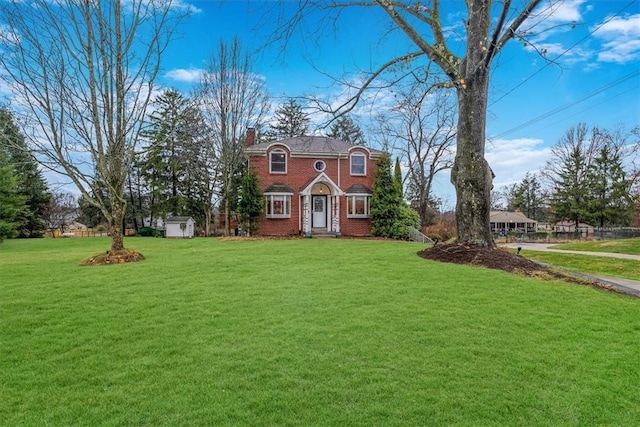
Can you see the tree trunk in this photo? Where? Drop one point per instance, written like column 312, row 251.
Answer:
column 471, row 174
column 117, row 240
column 227, row 216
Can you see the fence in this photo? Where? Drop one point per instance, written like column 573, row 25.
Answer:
column 77, row 233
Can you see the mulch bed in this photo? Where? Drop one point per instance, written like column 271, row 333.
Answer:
column 109, row 257
column 502, row 259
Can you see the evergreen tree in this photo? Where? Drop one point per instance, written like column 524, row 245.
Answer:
column 397, row 175
column 176, row 144
column 570, row 192
column 251, row 203
column 11, row 202
column 386, row 202
column 611, row 203
column 30, row 184
column 290, row 121
column 345, row 129
column 529, row 197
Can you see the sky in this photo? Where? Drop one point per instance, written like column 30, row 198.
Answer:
column 590, row 72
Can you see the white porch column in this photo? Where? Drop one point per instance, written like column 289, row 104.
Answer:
column 306, row 220
column 336, row 214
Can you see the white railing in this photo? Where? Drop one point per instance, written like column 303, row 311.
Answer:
column 416, row 235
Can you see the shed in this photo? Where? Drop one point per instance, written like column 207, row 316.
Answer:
column 173, row 227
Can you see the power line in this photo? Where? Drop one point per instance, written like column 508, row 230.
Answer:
column 564, row 52
column 564, row 107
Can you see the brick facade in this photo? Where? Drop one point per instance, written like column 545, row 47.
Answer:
column 305, row 183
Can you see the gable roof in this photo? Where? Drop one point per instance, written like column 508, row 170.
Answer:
column 174, row 219
column 504, row 216
column 311, row 146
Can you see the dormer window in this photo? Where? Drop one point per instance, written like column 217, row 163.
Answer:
column 278, row 161
column 358, row 164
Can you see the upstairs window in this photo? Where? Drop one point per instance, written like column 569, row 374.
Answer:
column 278, row 161
column 358, row 162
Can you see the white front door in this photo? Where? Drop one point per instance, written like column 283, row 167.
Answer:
column 319, row 206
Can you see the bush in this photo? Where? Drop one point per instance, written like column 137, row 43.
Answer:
column 149, row 232
column 441, row 230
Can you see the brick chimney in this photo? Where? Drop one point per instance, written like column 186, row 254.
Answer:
column 251, row 137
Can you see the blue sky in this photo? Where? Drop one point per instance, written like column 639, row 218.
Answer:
column 594, row 76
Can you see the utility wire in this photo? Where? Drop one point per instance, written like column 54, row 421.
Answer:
column 564, row 52
column 564, row 107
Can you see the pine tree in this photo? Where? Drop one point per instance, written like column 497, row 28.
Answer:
column 251, row 203
column 397, row 175
column 611, row 203
column 173, row 155
column 570, row 189
column 31, row 186
column 345, row 129
column 290, row 121
column 11, row 202
column 528, row 197
column 386, row 202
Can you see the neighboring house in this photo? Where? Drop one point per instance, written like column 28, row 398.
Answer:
column 503, row 222
column 172, row 227
column 570, row 227
column 313, row 185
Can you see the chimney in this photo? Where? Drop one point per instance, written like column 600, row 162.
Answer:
column 251, row 137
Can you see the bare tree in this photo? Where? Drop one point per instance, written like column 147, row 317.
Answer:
column 488, row 27
column 422, row 127
column 84, row 72
column 61, row 211
column 232, row 98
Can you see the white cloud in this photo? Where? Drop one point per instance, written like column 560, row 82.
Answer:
column 511, row 159
column 566, row 11
column 190, row 75
column 620, row 39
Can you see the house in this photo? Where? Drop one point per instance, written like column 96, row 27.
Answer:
column 313, row 185
column 179, row 226
column 570, row 227
column 503, row 222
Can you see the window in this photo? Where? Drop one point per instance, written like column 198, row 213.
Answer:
column 278, row 162
column 319, row 165
column 358, row 206
column 358, row 164
column 278, row 205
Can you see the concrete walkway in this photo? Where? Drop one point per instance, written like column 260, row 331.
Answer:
column 626, row 286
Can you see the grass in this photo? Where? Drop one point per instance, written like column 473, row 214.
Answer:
column 304, row 332
column 621, row 246
column 605, row 266
column 600, row 266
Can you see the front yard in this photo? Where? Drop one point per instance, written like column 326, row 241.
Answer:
column 304, row 332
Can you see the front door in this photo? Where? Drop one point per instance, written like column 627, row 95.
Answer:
column 319, row 204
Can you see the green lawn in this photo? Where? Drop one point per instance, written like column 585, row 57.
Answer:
column 621, row 246
column 304, row 332
column 606, row 266
column 601, row 266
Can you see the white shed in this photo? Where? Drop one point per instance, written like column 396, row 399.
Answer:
column 179, row 226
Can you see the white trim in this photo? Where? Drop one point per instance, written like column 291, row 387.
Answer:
column 367, row 205
column 269, row 205
column 286, row 161
column 322, row 177
column 351, row 157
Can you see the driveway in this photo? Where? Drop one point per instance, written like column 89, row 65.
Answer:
column 626, row 286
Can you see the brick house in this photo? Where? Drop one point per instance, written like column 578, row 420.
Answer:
column 313, row 185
